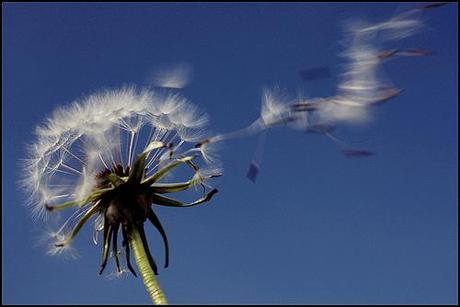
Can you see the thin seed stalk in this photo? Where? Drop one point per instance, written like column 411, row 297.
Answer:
column 148, row 276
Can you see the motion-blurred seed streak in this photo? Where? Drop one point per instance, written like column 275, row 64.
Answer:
column 362, row 86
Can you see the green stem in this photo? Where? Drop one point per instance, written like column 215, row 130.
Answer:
column 148, row 277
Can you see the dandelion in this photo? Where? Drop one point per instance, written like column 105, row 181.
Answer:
column 105, row 159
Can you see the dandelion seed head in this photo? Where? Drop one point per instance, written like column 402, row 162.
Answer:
column 106, row 128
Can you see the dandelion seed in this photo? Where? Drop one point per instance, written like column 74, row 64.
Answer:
column 174, row 77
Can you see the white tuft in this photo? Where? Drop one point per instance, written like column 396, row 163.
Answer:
column 67, row 252
column 274, row 107
column 177, row 77
column 210, row 152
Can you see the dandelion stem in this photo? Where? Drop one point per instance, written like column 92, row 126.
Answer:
column 148, row 276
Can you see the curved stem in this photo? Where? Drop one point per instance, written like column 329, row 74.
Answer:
column 148, row 276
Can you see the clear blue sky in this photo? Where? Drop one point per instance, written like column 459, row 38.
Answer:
column 316, row 227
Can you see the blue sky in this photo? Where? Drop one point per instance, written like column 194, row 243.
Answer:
column 317, row 227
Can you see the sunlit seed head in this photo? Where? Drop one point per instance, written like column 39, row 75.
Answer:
column 108, row 127
column 94, row 159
